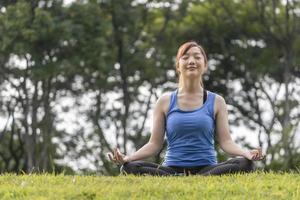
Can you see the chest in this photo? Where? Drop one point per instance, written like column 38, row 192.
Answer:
column 187, row 103
column 190, row 122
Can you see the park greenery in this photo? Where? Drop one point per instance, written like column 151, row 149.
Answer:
column 246, row 186
column 104, row 63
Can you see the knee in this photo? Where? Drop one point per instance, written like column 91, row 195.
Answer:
column 129, row 167
column 247, row 165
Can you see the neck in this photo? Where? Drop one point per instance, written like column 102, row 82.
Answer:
column 190, row 86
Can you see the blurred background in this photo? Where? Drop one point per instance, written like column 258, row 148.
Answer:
column 79, row 78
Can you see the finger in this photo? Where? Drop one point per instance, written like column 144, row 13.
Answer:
column 115, row 153
column 260, row 156
column 254, row 157
column 119, row 152
column 110, row 156
column 254, row 151
column 255, row 154
column 120, row 155
column 260, row 152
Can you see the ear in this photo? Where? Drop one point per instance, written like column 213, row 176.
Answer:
column 177, row 71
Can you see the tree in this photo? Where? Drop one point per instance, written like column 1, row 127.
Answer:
column 30, row 88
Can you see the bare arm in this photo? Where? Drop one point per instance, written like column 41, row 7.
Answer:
column 156, row 140
column 223, row 134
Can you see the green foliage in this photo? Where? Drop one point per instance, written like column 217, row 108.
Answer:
column 126, row 49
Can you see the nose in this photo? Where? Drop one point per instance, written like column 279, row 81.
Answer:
column 191, row 61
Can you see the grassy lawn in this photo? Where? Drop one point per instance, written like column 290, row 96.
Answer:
column 250, row 186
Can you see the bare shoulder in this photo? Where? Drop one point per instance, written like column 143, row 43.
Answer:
column 220, row 104
column 220, row 99
column 163, row 102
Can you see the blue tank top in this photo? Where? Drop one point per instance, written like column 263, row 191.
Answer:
column 190, row 134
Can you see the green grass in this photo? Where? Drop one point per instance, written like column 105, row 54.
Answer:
column 248, row 186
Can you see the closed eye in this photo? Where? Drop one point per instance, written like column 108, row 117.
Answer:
column 184, row 57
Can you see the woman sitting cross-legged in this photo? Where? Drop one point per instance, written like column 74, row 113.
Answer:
column 189, row 116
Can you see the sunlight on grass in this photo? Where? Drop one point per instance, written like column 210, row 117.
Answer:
column 243, row 186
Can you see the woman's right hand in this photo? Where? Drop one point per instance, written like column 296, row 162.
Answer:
column 117, row 157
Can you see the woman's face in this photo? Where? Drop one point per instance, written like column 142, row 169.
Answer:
column 192, row 64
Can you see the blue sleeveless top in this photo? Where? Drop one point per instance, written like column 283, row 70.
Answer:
column 190, row 134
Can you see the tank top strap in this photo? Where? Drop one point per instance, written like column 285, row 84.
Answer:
column 211, row 103
column 172, row 104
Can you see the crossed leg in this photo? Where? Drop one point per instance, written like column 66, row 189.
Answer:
column 143, row 167
column 234, row 165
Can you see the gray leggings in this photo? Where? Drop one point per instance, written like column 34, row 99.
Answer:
column 234, row 165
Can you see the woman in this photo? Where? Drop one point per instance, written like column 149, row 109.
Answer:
column 189, row 116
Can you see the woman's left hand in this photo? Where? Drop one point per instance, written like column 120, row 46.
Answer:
column 255, row 154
